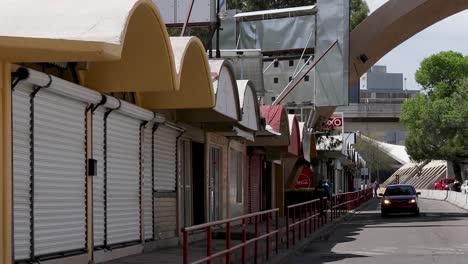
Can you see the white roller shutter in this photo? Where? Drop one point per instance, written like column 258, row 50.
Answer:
column 22, row 171
column 148, row 181
column 123, row 179
column 98, row 179
column 165, row 158
column 59, row 174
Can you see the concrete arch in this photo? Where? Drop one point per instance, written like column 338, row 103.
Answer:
column 194, row 79
column 125, row 41
column 249, row 105
column 392, row 24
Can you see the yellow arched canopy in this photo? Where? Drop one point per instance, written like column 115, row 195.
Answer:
column 124, row 41
column 194, row 78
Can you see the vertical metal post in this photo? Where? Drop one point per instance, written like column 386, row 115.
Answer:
column 244, row 238
column 256, row 241
column 287, row 227
column 228, row 242
column 277, row 231
column 294, row 226
column 300, row 224
column 185, row 245
column 268, row 237
column 208, row 243
column 310, row 218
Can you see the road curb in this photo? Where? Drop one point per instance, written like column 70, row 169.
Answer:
column 282, row 258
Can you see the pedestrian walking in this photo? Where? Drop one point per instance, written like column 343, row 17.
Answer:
column 376, row 187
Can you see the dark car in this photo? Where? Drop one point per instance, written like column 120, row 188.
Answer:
column 400, row 198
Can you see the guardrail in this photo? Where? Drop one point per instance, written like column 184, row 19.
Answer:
column 208, row 227
column 302, row 220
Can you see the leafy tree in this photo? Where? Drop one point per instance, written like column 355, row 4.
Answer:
column 437, row 121
column 359, row 12
column 442, row 71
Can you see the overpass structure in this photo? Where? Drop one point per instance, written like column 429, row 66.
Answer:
column 392, row 24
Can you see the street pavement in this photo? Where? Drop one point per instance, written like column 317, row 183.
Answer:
column 439, row 235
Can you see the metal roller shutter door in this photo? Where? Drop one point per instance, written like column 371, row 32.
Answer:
column 123, row 179
column 98, row 179
column 59, row 191
column 148, row 181
column 165, row 159
column 255, row 186
column 22, row 170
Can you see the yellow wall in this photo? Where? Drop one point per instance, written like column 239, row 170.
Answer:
column 5, row 165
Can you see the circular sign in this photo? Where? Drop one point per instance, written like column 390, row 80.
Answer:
column 303, row 181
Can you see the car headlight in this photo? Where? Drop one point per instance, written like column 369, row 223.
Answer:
column 386, row 202
column 412, row 201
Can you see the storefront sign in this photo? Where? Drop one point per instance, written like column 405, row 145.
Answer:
column 305, row 179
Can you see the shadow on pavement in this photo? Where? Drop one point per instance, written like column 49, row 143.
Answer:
column 321, row 250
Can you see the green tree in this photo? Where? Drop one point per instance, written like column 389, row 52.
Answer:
column 437, row 120
column 359, row 12
column 442, row 71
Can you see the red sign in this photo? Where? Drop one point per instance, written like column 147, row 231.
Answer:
column 305, row 179
column 334, row 122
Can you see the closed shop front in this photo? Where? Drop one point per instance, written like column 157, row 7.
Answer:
column 49, row 167
column 255, row 182
column 237, row 157
column 165, row 173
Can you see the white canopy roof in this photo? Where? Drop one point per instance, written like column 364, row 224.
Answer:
column 396, row 152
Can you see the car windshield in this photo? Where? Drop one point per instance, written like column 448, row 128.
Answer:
column 399, row 190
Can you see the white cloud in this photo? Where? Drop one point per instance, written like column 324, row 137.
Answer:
column 445, row 35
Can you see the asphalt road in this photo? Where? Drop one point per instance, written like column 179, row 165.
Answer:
column 439, row 235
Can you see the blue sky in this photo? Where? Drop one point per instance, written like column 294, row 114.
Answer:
column 449, row 34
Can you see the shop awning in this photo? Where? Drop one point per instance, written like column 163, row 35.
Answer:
column 294, row 146
column 125, row 42
column 248, row 105
column 227, row 107
column 276, row 118
column 194, row 78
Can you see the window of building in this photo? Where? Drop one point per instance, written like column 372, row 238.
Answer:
column 276, row 64
column 291, row 63
column 290, row 78
column 306, row 61
column 306, row 78
column 275, row 80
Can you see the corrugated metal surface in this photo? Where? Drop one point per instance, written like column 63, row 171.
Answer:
column 98, row 179
column 59, row 174
column 22, row 171
column 148, row 181
column 255, row 187
column 165, row 159
column 123, row 179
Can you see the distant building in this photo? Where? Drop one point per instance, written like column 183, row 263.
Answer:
column 378, row 112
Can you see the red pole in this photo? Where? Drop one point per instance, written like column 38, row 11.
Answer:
column 300, row 224
column 294, row 226
column 287, row 227
column 277, row 232
column 228, row 242
column 185, row 235
column 244, row 238
column 208, row 242
column 268, row 237
column 256, row 241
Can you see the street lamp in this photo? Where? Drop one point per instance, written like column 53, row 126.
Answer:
column 406, row 91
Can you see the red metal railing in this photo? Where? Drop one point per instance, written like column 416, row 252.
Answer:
column 208, row 227
column 302, row 219
column 311, row 215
